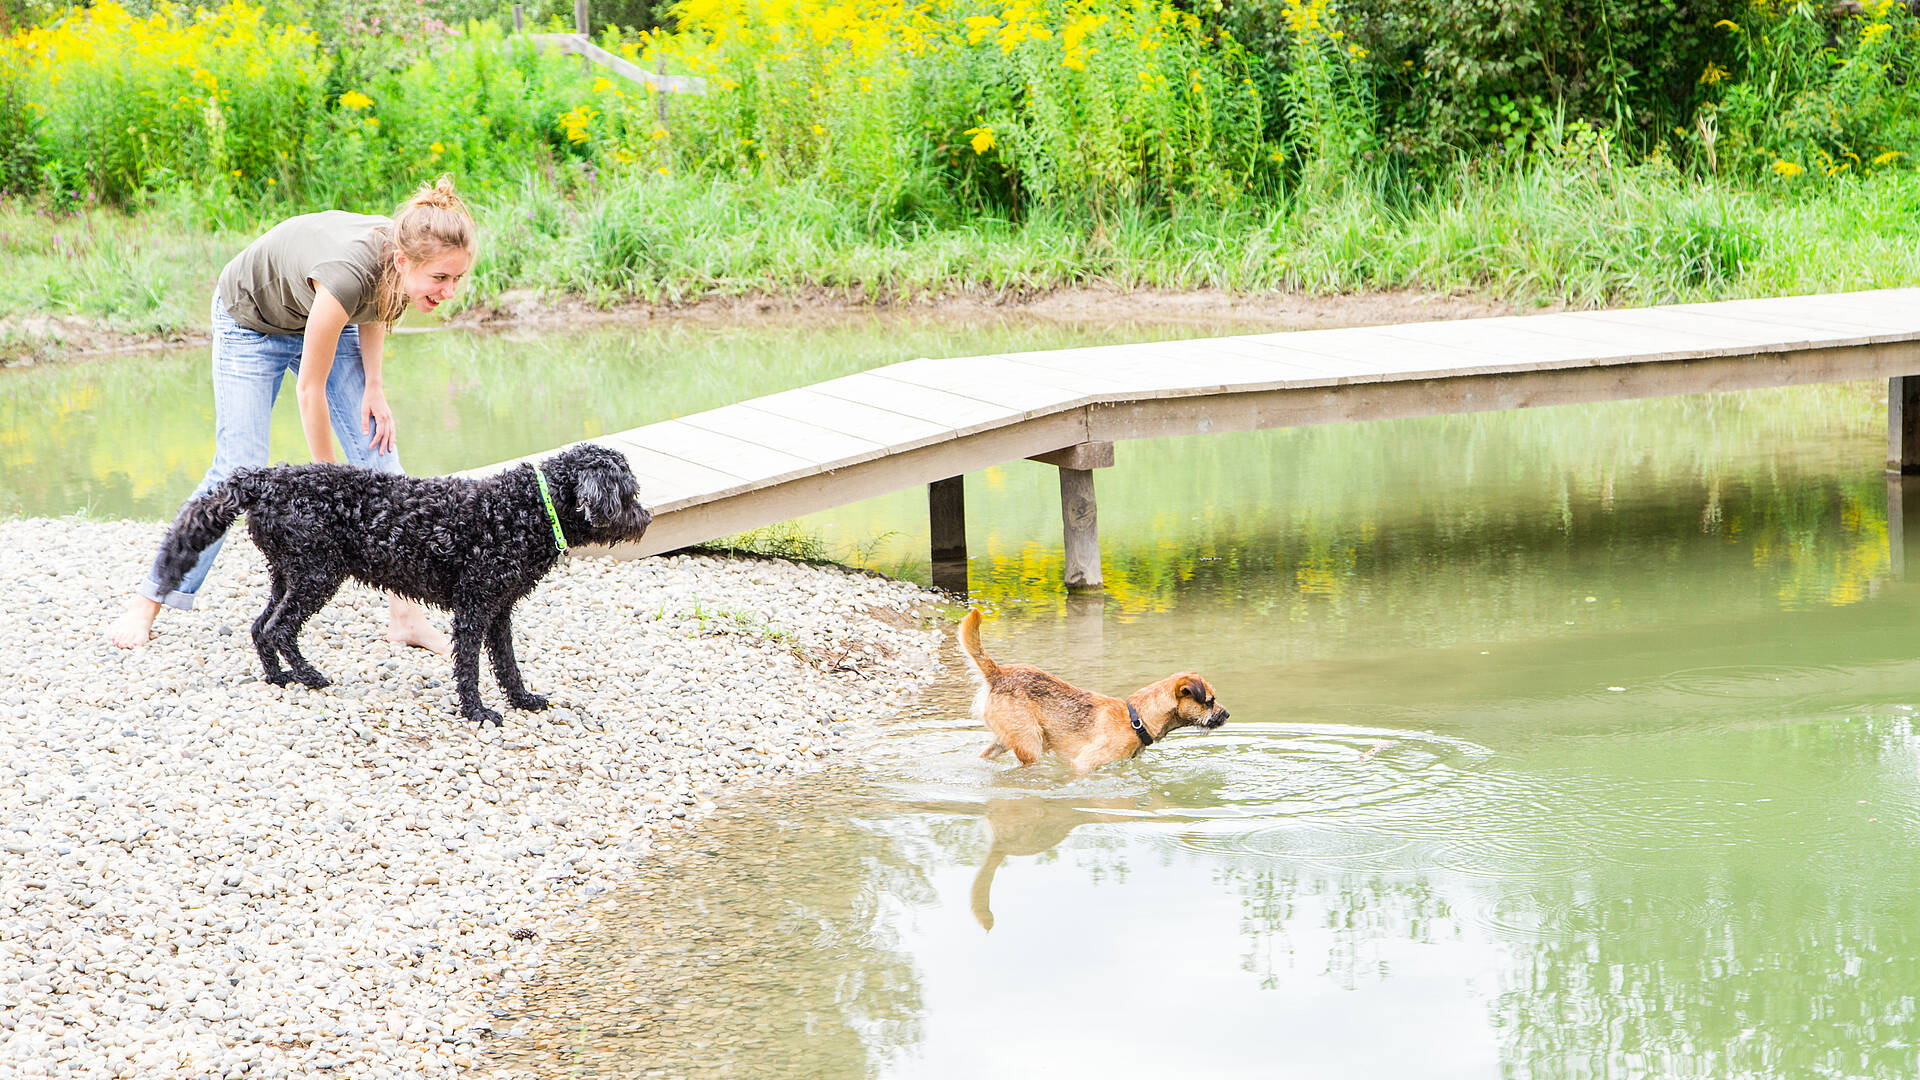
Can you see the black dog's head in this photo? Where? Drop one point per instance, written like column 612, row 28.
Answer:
column 596, row 494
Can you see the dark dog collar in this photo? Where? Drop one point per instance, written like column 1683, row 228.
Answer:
column 559, row 538
column 1140, row 729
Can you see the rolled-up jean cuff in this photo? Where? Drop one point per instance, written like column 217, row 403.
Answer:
column 181, row 601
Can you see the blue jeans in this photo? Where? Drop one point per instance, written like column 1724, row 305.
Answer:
column 247, row 370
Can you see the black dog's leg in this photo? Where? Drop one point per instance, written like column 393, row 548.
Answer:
column 469, row 631
column 505, row 668
column 269, row 658
column 305, row 596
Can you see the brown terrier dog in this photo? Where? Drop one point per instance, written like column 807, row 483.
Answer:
column 1030, row 712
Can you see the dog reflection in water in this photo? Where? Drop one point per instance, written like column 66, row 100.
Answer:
column 1032, row 825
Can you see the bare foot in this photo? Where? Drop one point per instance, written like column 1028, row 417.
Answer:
column 134, row 627
column 408, row 625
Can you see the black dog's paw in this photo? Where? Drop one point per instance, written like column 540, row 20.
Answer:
column 527, row 702
column 483, row 716
column 277, row 678
column 312, row 679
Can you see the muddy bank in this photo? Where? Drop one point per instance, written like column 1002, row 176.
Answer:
column 41, row 339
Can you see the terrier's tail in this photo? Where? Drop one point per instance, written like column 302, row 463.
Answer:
column 970, row 641
column 201, row 522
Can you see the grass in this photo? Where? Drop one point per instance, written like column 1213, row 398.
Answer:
column 1568, row 233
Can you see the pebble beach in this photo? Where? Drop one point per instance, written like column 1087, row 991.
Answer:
column 202, row 875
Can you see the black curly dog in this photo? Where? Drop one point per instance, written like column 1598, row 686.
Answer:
column 473, row 547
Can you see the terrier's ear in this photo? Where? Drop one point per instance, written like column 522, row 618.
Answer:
column 1196, row 688
column 598, row 491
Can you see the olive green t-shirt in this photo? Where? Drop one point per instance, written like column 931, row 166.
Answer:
column 268, row 288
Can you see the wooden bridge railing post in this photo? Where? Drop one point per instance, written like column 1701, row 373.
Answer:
column 1903, row 424
column 519, row 19
column 947, row 519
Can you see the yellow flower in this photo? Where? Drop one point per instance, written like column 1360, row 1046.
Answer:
column 271, row 181
column 818, row 130
column 1729, row 24
column 1787, row 169
column 1714, row 75
column 354, row 99
column 438, row 148
column 602, row 85
column 1888, row 157
column 982, row 139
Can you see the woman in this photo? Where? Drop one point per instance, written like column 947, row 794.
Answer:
column 316, row 295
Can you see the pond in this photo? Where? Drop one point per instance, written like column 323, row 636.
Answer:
column 1574, row 742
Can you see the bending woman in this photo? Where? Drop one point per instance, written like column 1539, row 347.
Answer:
column 316, row 295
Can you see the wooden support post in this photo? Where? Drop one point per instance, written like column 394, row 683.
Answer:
column 1080, row 522
column 584, row 27
column 519, row 19
column 1079, row 513
column 947, row 516
column 1903, row 424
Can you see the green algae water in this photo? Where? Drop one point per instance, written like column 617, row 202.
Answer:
column 1573, row 742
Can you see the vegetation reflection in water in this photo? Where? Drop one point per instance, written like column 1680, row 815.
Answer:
column 1567, row 743
column 1574, row 742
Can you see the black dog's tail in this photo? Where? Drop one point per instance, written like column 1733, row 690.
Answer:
column 201, row 522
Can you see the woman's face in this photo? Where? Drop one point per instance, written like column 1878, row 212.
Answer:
column 432, row 282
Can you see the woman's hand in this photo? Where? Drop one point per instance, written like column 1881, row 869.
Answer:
column 376, row 419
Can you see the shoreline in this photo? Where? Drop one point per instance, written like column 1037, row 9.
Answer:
column 202, row 873
column 66, row 339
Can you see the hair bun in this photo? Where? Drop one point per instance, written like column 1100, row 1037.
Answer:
column 439, row 194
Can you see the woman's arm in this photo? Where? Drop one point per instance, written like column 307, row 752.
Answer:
column 373, row 404
column 325, row 320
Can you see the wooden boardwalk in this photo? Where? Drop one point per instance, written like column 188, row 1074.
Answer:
column 929, row 421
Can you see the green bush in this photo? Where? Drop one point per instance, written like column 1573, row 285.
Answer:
column 1820, row 91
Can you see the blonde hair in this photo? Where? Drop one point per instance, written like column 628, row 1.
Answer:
column 430, row 224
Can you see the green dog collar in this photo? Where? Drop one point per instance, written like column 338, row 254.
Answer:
column 546, row 497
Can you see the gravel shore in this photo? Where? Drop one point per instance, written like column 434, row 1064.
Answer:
column 202, row 875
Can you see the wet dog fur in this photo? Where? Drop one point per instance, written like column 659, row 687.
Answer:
column 1030, row 712
column 472, row 547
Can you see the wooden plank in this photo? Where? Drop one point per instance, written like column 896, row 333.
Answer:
column 1703, row 332
column 1648, row 335
column 949, row 411
column 1874, row 321
column 801, row 438
column 1519, row 343
column 1485, row 391
column 580, row 45
column 719, row 451
column 667, row 480
column 1775, row 327
column 853, row 418
column 1152, row 371
column 1368, row 356
column 999, row 380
